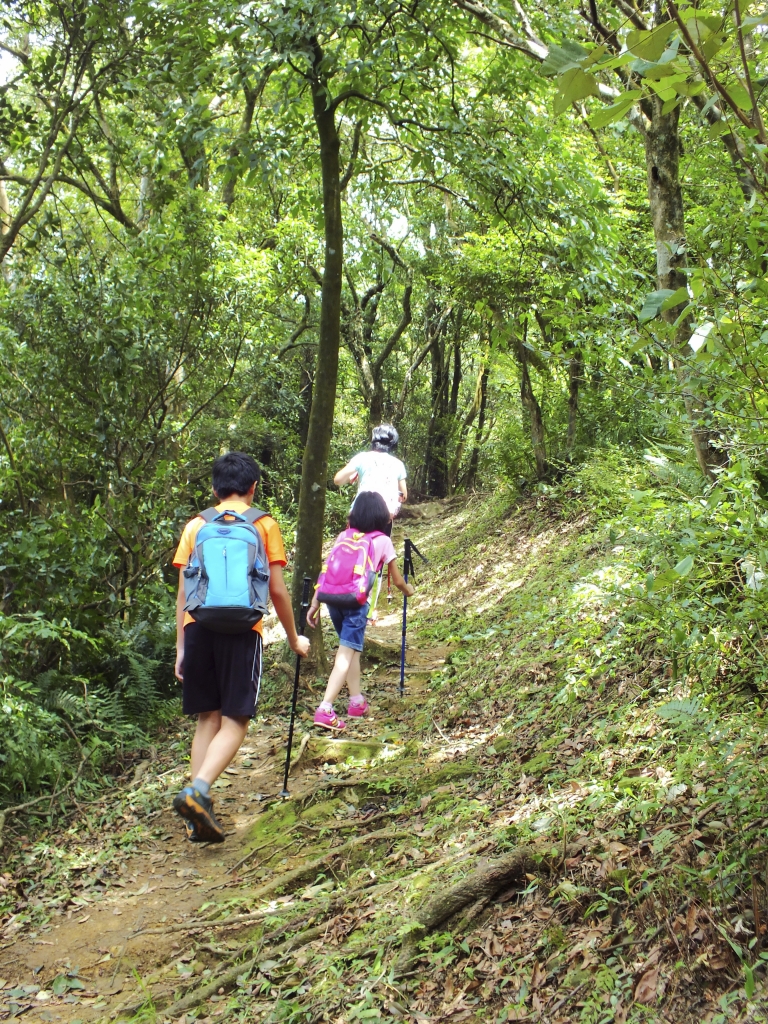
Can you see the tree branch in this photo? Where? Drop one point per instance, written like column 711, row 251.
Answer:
column 398, row 332
column 347, row 175
column 18, row 54
column 716, row 84
column 530, row 44
column 394, row 255
column 632, row 13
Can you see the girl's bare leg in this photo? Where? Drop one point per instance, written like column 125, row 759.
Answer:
column 345, row 656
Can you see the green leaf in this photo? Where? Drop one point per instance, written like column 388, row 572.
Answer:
column 740, row 96
column 749, row 981
column 713, row 45
column 681, row 295
column 684, row 566
column 650, row 45
column 757, row 19
column 663, row 580
column 638, row 346
column 653, row 303
column 616, row 110
column 690, row 88
column 679, row 710
column 60, row 985
column 563, row 58
column 574, row 85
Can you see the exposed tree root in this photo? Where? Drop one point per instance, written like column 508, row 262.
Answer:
column 474, row 891
column 329, row 784
column 227, row 978
column 228, row 974
column 311, row 866
column 197, row 924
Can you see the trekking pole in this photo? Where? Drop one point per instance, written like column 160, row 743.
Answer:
column 408, row 570
column 302, row 624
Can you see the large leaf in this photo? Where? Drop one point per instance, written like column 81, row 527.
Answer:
column 740, row 96
column 684, row 566
column 574, row 85
column 675, row 299
column 653, row 303
column 563, row 58
column 650, row 45
column 616, row 110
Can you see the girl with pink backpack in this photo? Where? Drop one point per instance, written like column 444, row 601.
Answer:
column 344, row 586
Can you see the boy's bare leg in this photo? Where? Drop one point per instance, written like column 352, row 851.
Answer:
column 346, row 665
column 208, row 724
column 221, row 747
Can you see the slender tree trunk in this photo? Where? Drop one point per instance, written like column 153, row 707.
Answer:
column 305, row 395
column 436, row 467
column 575, row 370
column 472, row 412
column 314, row 469
column 376, row 412
column 474, row 460
column 662, row 154
column 531, row 405
column 5, row 223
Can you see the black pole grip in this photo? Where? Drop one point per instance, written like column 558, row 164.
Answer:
column 304, row 604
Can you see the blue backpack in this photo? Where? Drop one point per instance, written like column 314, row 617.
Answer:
column 226, row 583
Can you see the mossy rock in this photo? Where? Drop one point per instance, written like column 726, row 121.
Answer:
column 273, row 824
column 451, row 773
column 321, row 811
column 327, row 750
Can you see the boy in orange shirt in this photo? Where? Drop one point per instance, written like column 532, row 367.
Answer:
column 221, row 672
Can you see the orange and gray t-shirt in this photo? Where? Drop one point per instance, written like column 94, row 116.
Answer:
column 267, row 527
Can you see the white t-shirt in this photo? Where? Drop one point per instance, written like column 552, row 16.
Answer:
column 377, row 471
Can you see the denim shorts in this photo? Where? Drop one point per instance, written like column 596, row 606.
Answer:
column 350, row 624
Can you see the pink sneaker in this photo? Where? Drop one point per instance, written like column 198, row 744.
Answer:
column 328, row 720
column 358, row 710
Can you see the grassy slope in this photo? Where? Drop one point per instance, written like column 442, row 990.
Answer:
column 556, row 720
column 546, row 729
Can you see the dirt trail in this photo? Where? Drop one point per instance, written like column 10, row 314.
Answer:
column 114, row 943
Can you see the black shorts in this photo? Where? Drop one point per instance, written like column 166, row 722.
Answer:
column 222, row 671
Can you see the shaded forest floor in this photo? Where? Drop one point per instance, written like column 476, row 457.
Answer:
column 512, row 841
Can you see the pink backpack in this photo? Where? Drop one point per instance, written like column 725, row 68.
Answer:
column 349, row 573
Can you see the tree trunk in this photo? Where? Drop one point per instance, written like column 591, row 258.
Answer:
column 575, row 370
column 314, row 468
column 474, row 460
column 251, row 95
column 532, row 407
column 662, row 154
column 481, row 387
column 435, row 462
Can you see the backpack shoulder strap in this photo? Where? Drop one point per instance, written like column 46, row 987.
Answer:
column 252, row 515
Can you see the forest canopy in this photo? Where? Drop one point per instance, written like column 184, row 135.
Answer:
column 532, row 237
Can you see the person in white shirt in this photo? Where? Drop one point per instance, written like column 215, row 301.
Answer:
column 378, row 470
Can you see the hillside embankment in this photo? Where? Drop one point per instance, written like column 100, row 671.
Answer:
column 536, row 831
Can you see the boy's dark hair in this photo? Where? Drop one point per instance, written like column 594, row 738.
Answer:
column 384, row 438
column 234, row 473
column 369, row 513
